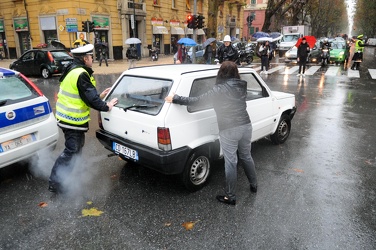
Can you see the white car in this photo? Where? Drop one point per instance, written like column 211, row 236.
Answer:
column 27, row 123
column 176, row 139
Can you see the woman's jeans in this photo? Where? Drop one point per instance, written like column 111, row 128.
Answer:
column 74, row 142
column 233, row 140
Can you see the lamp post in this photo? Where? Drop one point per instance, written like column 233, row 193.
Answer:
column 133, row 20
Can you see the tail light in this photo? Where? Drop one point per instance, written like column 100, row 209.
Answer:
column 164, row 139
column 100, row 120
column 50, row 58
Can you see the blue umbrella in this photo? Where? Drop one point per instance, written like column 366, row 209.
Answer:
column 187, row 41
column 260, row 34
column 275, row 34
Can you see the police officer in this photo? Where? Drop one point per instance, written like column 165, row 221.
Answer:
column 226, row 52
column 76, row 96
column 358, row 53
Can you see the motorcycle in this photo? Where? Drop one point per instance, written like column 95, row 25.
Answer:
column 154, row 54
column 245, row 55
column 325, row 56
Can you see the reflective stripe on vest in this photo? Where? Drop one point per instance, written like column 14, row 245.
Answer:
column 70, row 108
column 357, row 47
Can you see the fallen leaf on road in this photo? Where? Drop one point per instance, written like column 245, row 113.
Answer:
column 89, row 202
column 91, row 212
column 189, row 225
column 167, row 224
column 298, row 170
column 43, row 204
column 114, row 177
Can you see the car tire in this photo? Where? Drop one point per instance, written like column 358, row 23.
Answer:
column 45, row 73
column 250, row 60
column 283, row 130
column 196, row 171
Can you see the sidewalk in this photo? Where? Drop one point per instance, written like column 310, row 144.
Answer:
column 114, row 66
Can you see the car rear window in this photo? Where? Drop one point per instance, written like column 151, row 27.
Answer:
column 141, row 94
column 14, row 89
column 59, row 54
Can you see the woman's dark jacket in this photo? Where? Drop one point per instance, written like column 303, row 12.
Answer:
column 302, row 50
column 229, row 102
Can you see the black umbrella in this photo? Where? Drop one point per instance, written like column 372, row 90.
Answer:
column 208, row 41
column 57, row 44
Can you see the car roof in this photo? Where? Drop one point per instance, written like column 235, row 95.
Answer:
column 173, row 70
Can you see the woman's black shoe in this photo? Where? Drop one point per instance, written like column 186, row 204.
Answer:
column 226, row 200
column 253, row 189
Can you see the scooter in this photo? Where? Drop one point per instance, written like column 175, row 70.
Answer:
column 325, row 56
column 154, row 54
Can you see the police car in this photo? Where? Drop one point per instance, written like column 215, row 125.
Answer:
column 27, row 123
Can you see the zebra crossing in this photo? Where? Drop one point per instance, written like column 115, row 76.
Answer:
column 311, row 70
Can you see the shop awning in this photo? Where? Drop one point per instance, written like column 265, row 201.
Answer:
column 177, row 31
column 160, row 30
column 199, row 32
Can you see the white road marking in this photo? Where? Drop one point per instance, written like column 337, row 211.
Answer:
column 372, row 72
column 275, row 69
column 332, row 71
column 353, row 73
column 289, row 71
column 312, row 70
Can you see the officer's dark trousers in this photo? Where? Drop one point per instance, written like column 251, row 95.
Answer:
column 74, row 142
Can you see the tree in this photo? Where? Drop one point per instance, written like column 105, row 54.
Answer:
column 364, row 19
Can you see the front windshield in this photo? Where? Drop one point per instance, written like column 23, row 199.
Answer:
column 146, row 95
column 290, row 38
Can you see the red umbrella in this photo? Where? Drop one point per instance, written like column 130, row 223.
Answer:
column 311, row 40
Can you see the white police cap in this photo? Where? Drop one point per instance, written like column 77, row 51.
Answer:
column 84, row 50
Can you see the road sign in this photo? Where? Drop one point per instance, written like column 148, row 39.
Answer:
column 71, row 24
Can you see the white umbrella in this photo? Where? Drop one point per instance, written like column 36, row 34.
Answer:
column 132, row 40
column 264, row 39
column 277, row 38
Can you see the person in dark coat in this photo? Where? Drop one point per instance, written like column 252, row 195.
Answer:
column 226, row 52
column 235, row 128
column 303, row 51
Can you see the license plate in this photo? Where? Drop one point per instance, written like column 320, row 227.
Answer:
column 127, row 152
column 65, row 62
column 18, row 142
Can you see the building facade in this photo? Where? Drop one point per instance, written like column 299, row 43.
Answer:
column 26, row 24
column 256, row 10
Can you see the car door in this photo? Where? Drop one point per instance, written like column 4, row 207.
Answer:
column 40, row 58
column 26, row 64
column 259, row 106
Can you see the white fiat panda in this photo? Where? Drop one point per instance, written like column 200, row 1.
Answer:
column 176, row 139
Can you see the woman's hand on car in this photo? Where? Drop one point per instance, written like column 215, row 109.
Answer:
column 169, row 98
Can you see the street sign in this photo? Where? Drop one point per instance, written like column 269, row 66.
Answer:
column 71, row 24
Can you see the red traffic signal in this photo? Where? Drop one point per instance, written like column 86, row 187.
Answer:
column 190, row 22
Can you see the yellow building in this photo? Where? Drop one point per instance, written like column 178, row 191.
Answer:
column 26, row 24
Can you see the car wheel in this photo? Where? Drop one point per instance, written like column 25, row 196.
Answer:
column 196, row 171
column 45, row 73
column 283, row 130
column 250, row 60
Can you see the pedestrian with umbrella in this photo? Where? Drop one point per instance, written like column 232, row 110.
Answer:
column 303, row 51
column 131, row 52
column 304, row 46
column 209, row 50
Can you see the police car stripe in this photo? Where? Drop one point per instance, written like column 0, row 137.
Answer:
column 20, row 115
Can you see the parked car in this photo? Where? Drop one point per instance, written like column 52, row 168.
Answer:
column 371, row 42
column 175, row 139
column 291, row 55
column 44, row 62
column 27, row 123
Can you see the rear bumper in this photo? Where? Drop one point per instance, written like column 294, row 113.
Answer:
column 166, row 162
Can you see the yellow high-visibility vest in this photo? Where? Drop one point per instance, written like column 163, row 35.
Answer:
column 70, row 108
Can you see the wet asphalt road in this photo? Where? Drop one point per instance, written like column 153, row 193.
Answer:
column 316, row 191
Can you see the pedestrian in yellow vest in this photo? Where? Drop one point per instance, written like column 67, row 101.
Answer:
column 76, row 96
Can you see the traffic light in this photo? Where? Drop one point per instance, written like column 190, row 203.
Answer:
column 91, row 26
column 195, row 21
column 190, row 22
column 84, row 26
column 201, row 22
